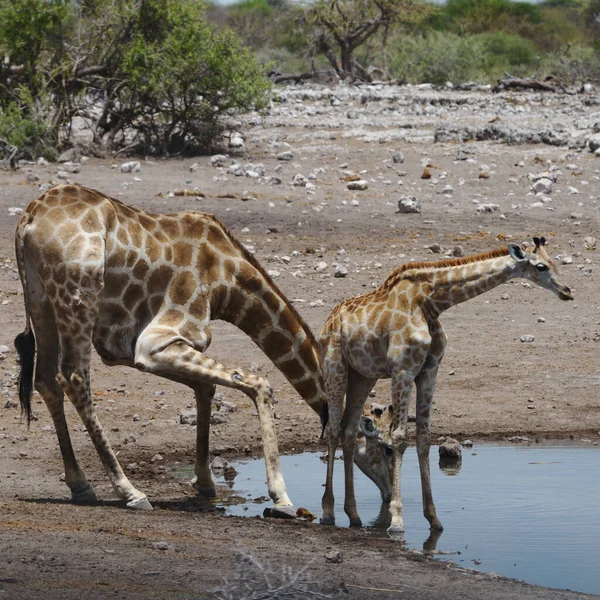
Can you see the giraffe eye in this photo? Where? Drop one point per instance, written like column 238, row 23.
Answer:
column 541, row 267
column 387, row 450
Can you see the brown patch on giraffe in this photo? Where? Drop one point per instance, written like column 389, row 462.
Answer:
column 182, row 287
column 38, row 211
column 255, row 320
column 56, row 215
column 143, row 314
column 114, row 312
column 116, row 259
column 307, row 388
column 171, row 318
column 192, row 226
column 141, row 269
column 123, row 236
column 161, row 237
column 229, row 269
column 182, row 254
column 146, row 222
column 168, row 253
column 272, row 301
column 198, row 307
column 90, row 222
column 153, row 249
column 51, row 289
column 276, row 344
column 74, row 272
column 132, row 257
column 60, row 274
column 308, row 354
column 74, row 209
column 170, row 226
column 156, row 303
column 159, row 279
column 114, row 284
column 220, row 240
column 288, row 321
column 292, row 368
column 132, row 294
column 135, row 233
column 75, row 247
column 249, row 278
column 208, row 264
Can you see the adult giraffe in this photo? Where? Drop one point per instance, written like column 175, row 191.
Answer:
column 142, row 289
column 394, row 332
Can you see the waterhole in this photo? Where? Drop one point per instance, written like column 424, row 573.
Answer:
column 530, row 512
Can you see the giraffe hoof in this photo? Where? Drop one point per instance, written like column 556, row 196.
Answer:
column 327, row 521
column 140, row 504
column 208, row 491
column 355, row 522
column 395, row 530
column 283, row 512
column 85, row 495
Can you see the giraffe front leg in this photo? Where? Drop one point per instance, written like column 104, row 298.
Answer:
column 163, row 352
column 401, row 388
column 203, row 482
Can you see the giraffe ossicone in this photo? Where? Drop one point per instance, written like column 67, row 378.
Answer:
column 394, row 332
column 142, row 289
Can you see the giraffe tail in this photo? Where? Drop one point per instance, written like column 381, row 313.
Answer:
column 324, row 417
column 25, row 345
column 24, row 342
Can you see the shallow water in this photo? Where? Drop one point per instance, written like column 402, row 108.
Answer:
column 531, row 512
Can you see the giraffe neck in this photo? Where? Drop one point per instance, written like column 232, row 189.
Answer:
column 452, row 285
column 257, row 307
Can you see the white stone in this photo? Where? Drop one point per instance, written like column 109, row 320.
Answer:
column 542, row 186
column 361, row 184
column 487, row 208
column 340, row 271
column 274, row 273
column 321, row 266
column 409, row 204
column 527, row 338
column 132, row 166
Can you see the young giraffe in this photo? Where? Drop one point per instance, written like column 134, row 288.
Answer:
column 394, row 331
column 142, row 289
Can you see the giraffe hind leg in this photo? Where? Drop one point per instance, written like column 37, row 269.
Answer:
column 46, row 384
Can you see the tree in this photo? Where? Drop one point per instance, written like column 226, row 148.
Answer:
column 348, row 24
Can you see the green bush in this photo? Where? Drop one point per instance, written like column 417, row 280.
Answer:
column 23, row 128
column 507, row 50
column 181, row 77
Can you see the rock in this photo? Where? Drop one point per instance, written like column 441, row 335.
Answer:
column 467, row 444
column 450, row 448
column 285, row 156
column 408, row 204
column 588, row 88
column 274, row 273
column 188, row 417
column 566, row 260
column 218, row 464
column 435, row 248
column 487, row 208
column 398, row 158
column 334, row 557
column 161, row 546
column 589, row 243
column 321, row 266
column 352, row 114
column 218, row 419
column 4, row 349
column 72, row 154
column 226, row 407
column 340, row 271
column 32, row 178
column 458, row 251
column 15, row 211
column 541, row 320
column 194, row 167
column 11, row 404
column 131, row 167
column 527, row 338
column 299, row 180
column 594, row 142
column 236, row 142
column 218, row 160
column 361, row 184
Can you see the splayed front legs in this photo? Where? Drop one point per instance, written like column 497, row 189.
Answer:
column 165, row 353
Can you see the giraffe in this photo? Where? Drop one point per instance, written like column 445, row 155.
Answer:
column 142, row 290
column 394, row 332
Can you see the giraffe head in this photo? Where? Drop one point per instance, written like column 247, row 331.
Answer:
column 538, row 267
column 373, row 454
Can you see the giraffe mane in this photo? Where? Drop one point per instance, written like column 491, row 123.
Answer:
column 399, row 272
column 254, row 262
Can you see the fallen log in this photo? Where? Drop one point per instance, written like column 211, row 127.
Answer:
column 550, row 84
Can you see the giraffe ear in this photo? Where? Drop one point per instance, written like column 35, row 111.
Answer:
column 516, row 252
column 367, row 428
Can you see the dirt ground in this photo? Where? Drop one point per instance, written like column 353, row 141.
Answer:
column 491, row 385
